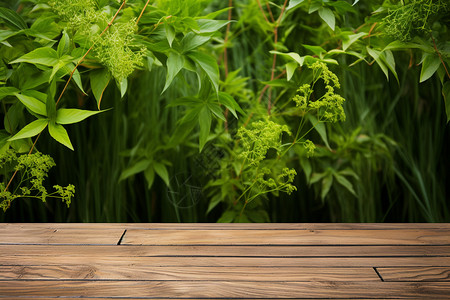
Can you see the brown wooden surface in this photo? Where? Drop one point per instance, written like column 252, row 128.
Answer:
column 223, row 261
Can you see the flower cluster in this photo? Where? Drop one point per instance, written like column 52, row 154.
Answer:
column 282, row 183
column 413, row 18
column 114, row 52
column 256, row 141
column 329, row 107
column 114, row 48
column 310, row 148
column 32, row 170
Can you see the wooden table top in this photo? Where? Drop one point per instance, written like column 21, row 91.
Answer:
column 224, row 261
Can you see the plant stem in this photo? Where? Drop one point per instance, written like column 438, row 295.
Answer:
column 142, row 12
column 440, row 57
column 15, row 173
column 272, row 75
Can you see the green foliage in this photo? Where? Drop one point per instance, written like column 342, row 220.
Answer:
column 32, row 169
column 263, row 111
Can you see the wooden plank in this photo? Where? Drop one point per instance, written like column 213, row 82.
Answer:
column 225, row 289
column 415, row 274
column 47, row 235
column 11, row 260
column 236, row 251
column 287, row 237
column 143, row 272
column 231, row 226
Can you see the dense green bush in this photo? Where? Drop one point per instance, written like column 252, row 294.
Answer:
column 245, row 111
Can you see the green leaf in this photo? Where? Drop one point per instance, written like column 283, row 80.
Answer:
column 149, row 174
column 209, row 65
column 314, row 6
column 350, row 39
column 291, row 55
column 430, row 65
column 12, row 19
column 64, row 45
column 162, row 172
column 138, row 167
column 446, row 93
column 32, row 129
column 175, row 63
column 213, row 203
column 191, row 41
column 204, row 119
column 327, row 15
column 293, row 4
column 388, row 58
column 170, row 33
column 210, row 26
column 33, row 104
column 327, row 182
column 72, row 115
column 345, row 183
column 13, row 117
column 216, row 110
column 75, row 77
column 376, row 55
column 59, row 133
column 99, row 81
column 317, row 50
column 123, row 86
column 50, row 103
column 320, row 128
column 42, row 56
column 7, row 91
column 290, row 69
column 230, row 103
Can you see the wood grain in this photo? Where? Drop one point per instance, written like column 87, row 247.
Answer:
column 225, row 289
column 151, row 273
column 287, row 237
column 217, row 251
column 36, row 235
column 225, row 261
column 415, row 274
column 7, row 260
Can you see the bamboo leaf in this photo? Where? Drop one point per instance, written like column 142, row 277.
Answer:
column 7, row 91
column 209, row 65
column 327, row 182
column 32, row 129
column 59, row 133
column 430, row 65
column 352, row 38
column 293, row 4
column 290, row 69
column 41, row 56
column 99, row 81
column 170, row 33
column 345, row 183
column 376, row 55
column 204, row 119
column 71, row 115
column 12, row 19
column 32, row 104
column 175, row 63
column 138, row 167
column 162, row 172
column 328, row 16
